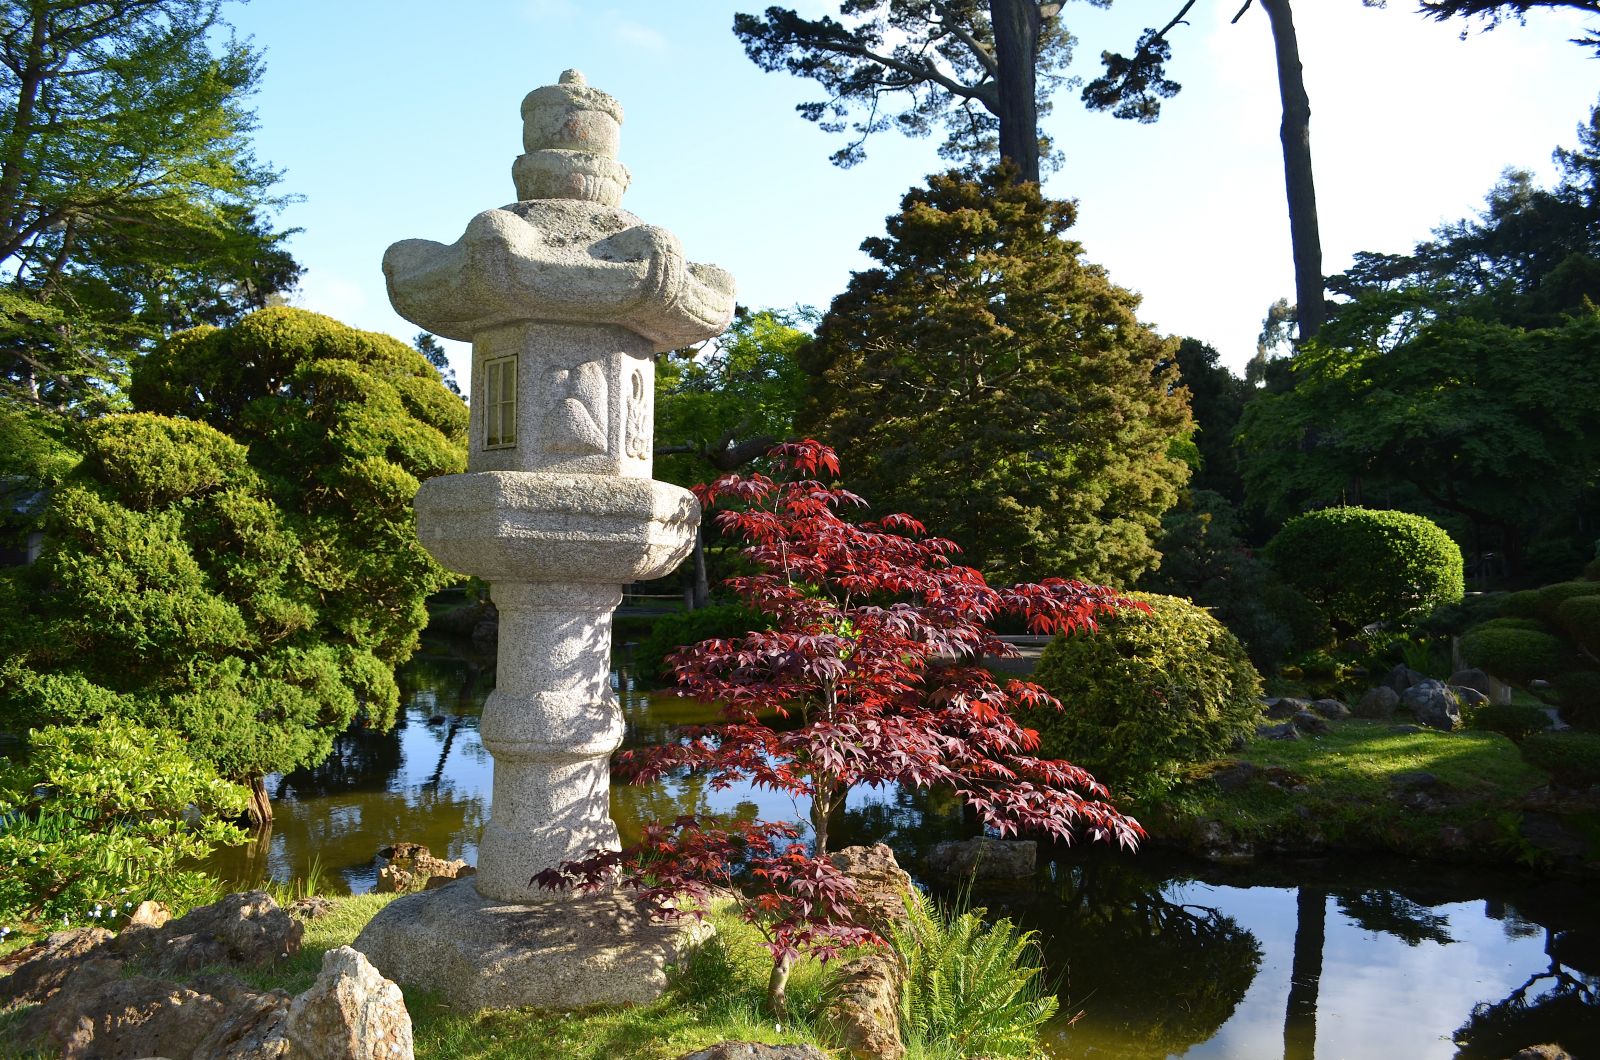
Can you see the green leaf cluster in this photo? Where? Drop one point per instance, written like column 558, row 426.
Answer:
column 100, row 817
column 1363, row 566
column 1146, row 693
column 970, row 988
column 988, row 378
column 1572, row 758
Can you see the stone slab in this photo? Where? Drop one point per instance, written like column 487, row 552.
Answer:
column 477, row 953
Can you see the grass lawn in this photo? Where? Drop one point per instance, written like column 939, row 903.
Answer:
column 1358, row 786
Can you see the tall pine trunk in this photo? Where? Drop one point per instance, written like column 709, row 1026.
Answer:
column 260, row 809
column 1295, row 133
column 1016, row 46
column 1305, row 976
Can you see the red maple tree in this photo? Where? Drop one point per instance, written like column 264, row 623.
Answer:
column 874, row 667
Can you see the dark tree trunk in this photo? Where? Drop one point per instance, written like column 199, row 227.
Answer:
column 1016, row 46
column 701, row 589
column 1305, row 976
column 260, row 809
column 1296, row 135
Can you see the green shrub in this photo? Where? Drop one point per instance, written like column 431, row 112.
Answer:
column 101, row 817
column 1365, row 566
column 1518, row 655
column 1591, row 570
column 1532, row 625
column 1472, row 610
column 970, row 988
column 1552, row 597
column 1524, row 604
column 1308, row 625
column 1516, row 720
column 1579, row 694
column 1580, row 618
column 1147, row 693
column 1572, row 758
column 683, row 628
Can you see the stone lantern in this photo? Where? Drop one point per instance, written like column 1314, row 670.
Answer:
column 565, row 298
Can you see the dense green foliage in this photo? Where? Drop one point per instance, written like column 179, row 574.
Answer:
column 970, row 988
column 1513, row 654
column 100, row 817
column 1579, row 694
column 1572, row 758
column 1580, row 618
column 1515, row 720
column 1146, row 693
column 1363, row 566
column 674, row 631
column 1551, row 598
column 130, row 203
column 988, row 378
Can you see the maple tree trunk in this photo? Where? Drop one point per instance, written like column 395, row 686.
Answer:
column 260, row 806
column 778, row 985
column 1016, row 44
column 1295, row 132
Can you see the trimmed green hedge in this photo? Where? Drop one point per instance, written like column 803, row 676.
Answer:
column 1579, row 694
column 1532, row 625
column 1524, row 604
column 1580, row 618
column 1514, row 720
column 1364, row 566
column 1145, row 694
column 1572, row 758
column 1518, row 655
column 671, row 632
column 1552, row 597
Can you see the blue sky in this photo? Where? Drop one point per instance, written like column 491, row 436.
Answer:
column 400, row 120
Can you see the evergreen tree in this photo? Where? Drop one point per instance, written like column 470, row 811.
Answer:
column 988, row 376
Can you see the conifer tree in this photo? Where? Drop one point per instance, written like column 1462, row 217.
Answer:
column 988, row 376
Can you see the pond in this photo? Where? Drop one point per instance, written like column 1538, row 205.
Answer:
column 1152, row 955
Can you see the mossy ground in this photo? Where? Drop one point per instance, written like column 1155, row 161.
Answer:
column 1349, row 789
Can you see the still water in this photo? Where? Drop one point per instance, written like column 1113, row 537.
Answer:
column 1152, row 956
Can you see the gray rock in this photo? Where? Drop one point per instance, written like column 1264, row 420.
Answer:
column 574, row 951
column 756, row 1051
column 350, row 1013
column 1433, row 705
column 1234, row 776
column 1469, row 697
column 32, row 975
column 1286, row 707
column 1309, row 723
column 1406, row 730
column 1286, row 731
column 1331, row 709
column 1416, row 780
column 881, row 884
column 1472, row 678
column 247, row 929
column 1401, row 678
column 1542, row 1052
column 310, row 907
column 1379, row 703
column 984, row 858
column 864, row 1013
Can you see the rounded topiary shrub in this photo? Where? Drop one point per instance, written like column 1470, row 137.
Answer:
column 1578, row 692
column 1524, row 604
column 1515, row 720
column 1513, row 654
column 1531, row 624
column 674, row 631
column 1364, row 566
column 1571, row 758
column 1579, row 617
column 1146, row 693
column 1591, row 570
column 1551, row 598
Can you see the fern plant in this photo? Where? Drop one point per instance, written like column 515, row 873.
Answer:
column 970, row 988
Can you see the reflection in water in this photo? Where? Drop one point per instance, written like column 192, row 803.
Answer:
column 1152, row 956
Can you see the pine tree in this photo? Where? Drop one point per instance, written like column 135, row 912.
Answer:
column 988, row 376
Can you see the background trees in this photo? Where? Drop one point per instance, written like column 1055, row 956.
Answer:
column 131, row 205
column 985, row 71
column 988, row 376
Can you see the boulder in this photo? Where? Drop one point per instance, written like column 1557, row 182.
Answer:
column 32, row 975
column 984, row 859
column 1433, row 705
column 1286, row 731
column 350, row 1013
column 1234, row 776
column 98, row 1013
column 1542, row 1052
column 756, row 1051
column 411, row 867
column 1379, row 703
column 864, row 1010
column 1401, row 678
column 1285, row 707
column 1472, row 678
column 310, row 907
column 881, row 884
column 1309, row 723
column 1469, row 697
column 247, row 929
column 1332, row 709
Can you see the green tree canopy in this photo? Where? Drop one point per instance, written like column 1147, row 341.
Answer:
column 131, row 205
column 988, row 378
